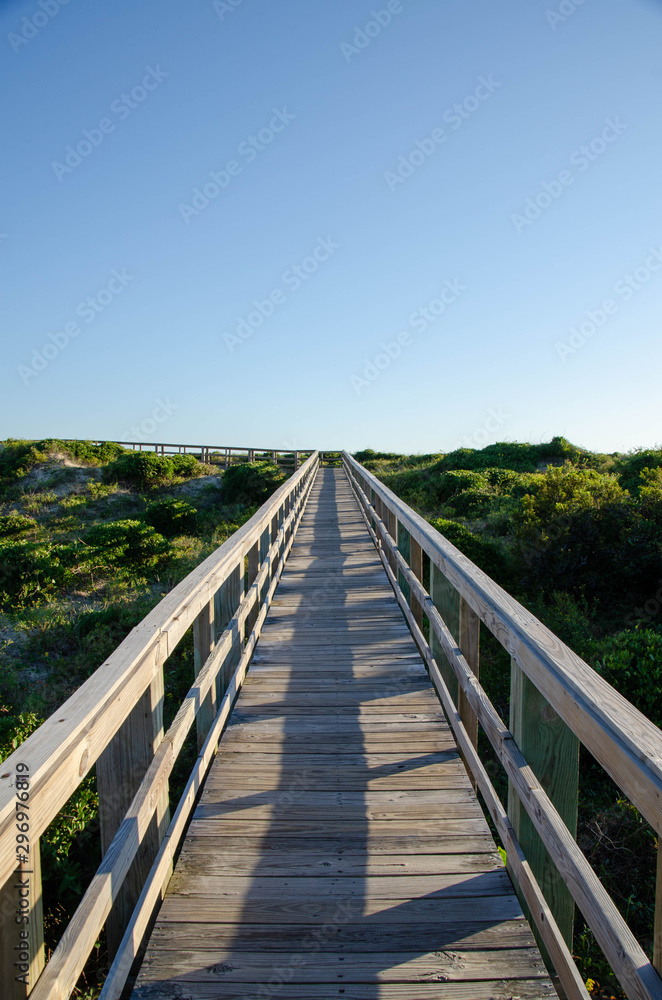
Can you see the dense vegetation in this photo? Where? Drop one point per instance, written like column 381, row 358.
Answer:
column 577, row 538
column 91, row 538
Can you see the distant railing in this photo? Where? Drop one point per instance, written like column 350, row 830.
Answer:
column 214, row 454
column 556, row 701
column 115, row 720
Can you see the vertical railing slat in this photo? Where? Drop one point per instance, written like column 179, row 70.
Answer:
column 552, row 751
column 120, row 769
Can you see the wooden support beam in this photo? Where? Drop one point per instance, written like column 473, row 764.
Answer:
column 446, row 600
column 657, row 934
column 203, row 643
column 416, row 563
column 552, row 751
column 469, row 639
column 22, row 944
column 120, row 770
column 403, row 540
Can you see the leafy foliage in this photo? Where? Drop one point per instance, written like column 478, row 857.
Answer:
column 251, row 482
column 140, row 468
column 31, row 571
column 631, row 661
column 126, row 543
column 171, row 517
column 481, row 551
column 15, row 524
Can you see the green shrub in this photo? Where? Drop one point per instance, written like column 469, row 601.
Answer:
column 566, row 491
column 141, row 469
column 481, row 551
column 510, row 455
column 251, row 483
column 631, row 661
column 130, row 544
column 31, row 571
column 185, row 465
column 650, row 495
column 14, row 524
column 632, row 466
column 172, row 517
column 472, row 503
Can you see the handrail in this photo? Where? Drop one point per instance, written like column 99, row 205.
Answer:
column 208, row 452
column 627, row 744
column 226, row 599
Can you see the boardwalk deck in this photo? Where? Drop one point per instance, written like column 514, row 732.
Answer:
column 338, row 849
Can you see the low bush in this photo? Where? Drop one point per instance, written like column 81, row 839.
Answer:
column 251, row 483
column 481, row 551
column 140, row 469
column 631, row 467
column 186, row 466
column 14, row 524
column 128, row 543
column 631, row 661
column 172, row 517
column 31, row 571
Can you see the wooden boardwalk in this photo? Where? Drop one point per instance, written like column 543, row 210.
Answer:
column 338, row 849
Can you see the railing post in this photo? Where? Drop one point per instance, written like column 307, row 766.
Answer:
column 469, row 641
column 251, row 572
column 22, row 944
column 447, row 602
column 226, row 603
column 552, row 751
column 120, row 769
column 203, row 643
column 416, row 563
column 403, row 540
column 657, row 932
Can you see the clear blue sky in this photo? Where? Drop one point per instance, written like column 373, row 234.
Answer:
column 344, row 156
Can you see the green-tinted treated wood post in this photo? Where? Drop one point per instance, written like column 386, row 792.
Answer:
column 227, row 601
column 552, row 751
column 657, row 932
column 470, row 645
column 404, row 547
column 447, row 602
column 22, row 944
column 251, row 572
column 203, row 643
column 416, row 563
column 120, row 769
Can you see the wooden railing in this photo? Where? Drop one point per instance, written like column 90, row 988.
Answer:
column 557, row 701
column 223, row 455
column 115, row 720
